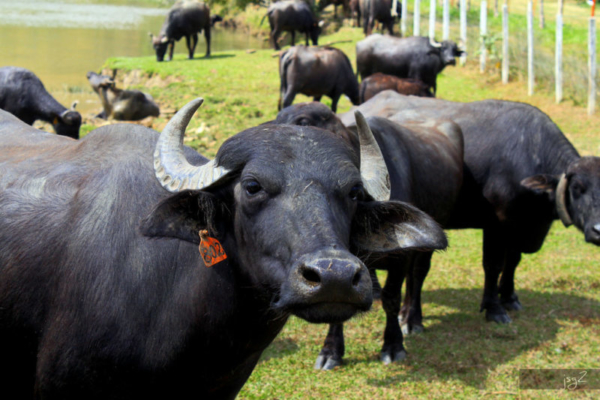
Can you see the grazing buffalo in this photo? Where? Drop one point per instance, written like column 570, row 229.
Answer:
column 424, row 157
column 186, row 18
column 119, row 104
column 413, row 57
column 23, row 94
column 132, row 267
column 292, row 16
column 379, row 82
column 521, row 173
column 380, row 10
column 316, row 72
column 214, row 19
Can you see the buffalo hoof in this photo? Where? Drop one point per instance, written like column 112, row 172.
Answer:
column 415, row 329
column 500, row 318
column 388, row 357
column 325, row 363
column 512, row 303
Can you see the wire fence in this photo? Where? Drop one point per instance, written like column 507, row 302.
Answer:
column 549, row 45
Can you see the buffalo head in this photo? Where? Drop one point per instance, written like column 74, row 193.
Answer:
column 292, row 207
column 315, row 31
column 449, row 50
column 575, row 194
column 160, row 44
column 68, row 122
column 97, row 80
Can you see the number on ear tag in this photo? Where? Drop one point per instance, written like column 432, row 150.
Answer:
column 210, row 249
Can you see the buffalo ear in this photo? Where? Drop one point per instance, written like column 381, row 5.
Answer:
column 182, row 216
column 394, row 226
column 541, row 184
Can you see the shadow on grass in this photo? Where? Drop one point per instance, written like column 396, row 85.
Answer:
column 280, row 348
column 460, row 344
column 203, row 58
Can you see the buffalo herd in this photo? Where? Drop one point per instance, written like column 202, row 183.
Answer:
column 133, row 267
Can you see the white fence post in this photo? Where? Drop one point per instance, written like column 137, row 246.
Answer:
column 417, row 18
column 404, row 17
column 463, row 29
column 558, row 60
column 505, row 38
column 530, row 72
column 483, row 34
column 592, row 67
column 432, row 7
column 446, row 20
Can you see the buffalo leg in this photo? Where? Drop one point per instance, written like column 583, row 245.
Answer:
column 390, row 27
column 508, row 297
column 411, row 312
column 494, row 258
column 207, row 39
column 289, row 96
column 171, row 48
column 376, row 285
column 393, row 348
column 333, row 349
column 317, row 98
column 274, row 38
column 334, row 102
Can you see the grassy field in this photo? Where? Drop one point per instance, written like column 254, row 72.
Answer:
column 459, row 355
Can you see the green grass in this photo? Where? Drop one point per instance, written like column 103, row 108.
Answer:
column 459, row 355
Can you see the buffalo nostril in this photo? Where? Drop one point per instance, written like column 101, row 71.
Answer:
column 311, row 276
column 357, row 278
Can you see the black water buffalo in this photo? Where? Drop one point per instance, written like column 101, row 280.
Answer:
column 186, row 18
column 521, row 173
column 23, row 94
column 424, row 157
column 316, row 72
column 379, row 82
column 379, row 10
column 119, row 104
column 132, row 267
column 292, row 16
column 413, row 57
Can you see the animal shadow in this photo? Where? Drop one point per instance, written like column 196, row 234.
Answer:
column 460, row 344
column 280, row 348
column 213, row 56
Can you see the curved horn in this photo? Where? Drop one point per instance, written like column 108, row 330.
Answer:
column 433, row 43
column 373, row 170
column 171, row 168
column 561, row 204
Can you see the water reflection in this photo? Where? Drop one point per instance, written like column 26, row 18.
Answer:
column 61, row 40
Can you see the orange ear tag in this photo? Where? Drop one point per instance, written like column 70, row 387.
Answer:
column 210, row 249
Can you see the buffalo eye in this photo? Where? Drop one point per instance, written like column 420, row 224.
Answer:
column 356, row 193
column 251, row 187
column 577, row 188
column 303, row 122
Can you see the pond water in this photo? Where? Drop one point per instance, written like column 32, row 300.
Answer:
column 61, row 40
